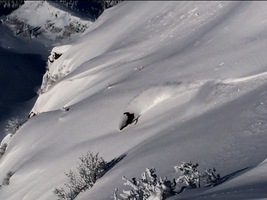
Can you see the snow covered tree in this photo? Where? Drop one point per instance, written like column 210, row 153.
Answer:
column 189, row 174
column 6, row 180
column 74, row 187
column 90, row 169
column 149, row 187
column 13, row 125
column 110, row 3
column 91, row 8
column 7, row 6
column 3, row 149
column 210, row 177
column 192, row 177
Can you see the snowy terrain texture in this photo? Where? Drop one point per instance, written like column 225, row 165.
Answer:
column 196, row 74
column 40, row 19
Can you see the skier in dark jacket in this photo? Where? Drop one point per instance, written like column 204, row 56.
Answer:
column 130, row 119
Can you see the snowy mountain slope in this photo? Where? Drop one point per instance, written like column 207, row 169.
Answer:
column 42, row 20
column 21, row 67
column 194, row 71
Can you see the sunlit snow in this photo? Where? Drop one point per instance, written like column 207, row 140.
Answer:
column 195, row 72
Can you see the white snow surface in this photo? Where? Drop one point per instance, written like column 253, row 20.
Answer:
column 196, row 74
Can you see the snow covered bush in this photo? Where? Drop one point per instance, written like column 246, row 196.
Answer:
column 73, row 185
column 90, row 169
column 210, row 177
column 193, row 178
column 149, row 187
column 13, row 125
column 6, row 180
column 3, row 149
column 188, row 174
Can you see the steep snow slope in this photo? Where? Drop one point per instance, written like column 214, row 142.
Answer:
column 42, row 20
column 194, row 71
column 21, row 66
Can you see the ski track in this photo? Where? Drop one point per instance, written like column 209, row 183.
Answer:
column 220, row 92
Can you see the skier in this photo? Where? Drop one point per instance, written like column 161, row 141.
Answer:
column 130, row 119
column 31, row 114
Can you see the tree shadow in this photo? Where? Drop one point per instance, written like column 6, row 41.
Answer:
column 112, row 163
column 226, row 177
column 220, row 181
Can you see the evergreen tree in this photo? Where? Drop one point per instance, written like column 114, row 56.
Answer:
column 7, row 6
column 91, row 8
